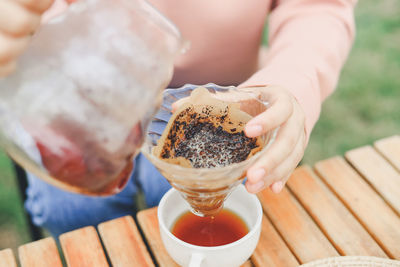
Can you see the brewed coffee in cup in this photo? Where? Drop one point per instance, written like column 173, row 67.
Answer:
column 245, row 205
column 223, row 228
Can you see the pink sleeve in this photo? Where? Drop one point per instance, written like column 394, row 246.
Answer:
column 309, row 41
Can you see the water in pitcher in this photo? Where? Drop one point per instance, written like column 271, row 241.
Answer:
column 76, row 110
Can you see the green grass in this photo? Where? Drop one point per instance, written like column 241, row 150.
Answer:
column 364, row 108
column 366, row 104
column 13, row 229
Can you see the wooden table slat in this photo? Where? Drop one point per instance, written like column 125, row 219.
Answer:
column 370, row 209
column 82, row 248
column 271, row 249
column 300, row 232
column 123, row 243
column 379, row 173
column 339, row 208
column 390, row 149
column 336, row 221
column 247, row 264
column 7, row 258
column 42, row 253
column 149, row 224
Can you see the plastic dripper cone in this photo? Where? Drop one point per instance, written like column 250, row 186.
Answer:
column 205, row 189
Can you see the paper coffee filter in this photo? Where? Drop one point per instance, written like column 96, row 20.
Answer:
column 209, row 109
column 205, row 196
column 205, row 189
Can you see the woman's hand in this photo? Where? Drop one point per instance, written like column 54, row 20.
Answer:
column 275, row 166
column 18, row 21
column 277, row 163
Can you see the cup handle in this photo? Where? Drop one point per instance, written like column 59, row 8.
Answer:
column 196, row 259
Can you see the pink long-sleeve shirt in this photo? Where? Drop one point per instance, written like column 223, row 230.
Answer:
column 309, row 41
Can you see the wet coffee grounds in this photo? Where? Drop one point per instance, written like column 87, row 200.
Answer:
column 208, row 146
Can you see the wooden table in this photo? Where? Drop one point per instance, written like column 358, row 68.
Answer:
column 342, row 206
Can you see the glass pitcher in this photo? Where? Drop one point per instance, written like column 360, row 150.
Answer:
column 76, row 111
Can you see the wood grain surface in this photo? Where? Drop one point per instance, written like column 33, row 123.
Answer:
column 7, row 258
column 42, row 253
column 378, row 172
column 123, row 243
column 367, row 206
column 82, row 248
column 333, row 218
column 271, row 249
column 297, row 228
column 390, row 149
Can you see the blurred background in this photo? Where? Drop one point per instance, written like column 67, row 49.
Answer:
column 364, row 108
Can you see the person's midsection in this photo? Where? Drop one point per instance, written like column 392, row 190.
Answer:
column 224, row 37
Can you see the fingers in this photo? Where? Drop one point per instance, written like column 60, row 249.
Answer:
column 17, row 20
column 279, row 111
column 278, row 177
column 284, row 144
column 38, row 6
column 278, row 186
column 8, row 68
column 10, row 47
column 277, row 163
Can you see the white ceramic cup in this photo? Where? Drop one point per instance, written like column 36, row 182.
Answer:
column 244, row 204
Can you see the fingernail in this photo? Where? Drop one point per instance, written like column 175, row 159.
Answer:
column 253, row 130
column 256, row 175
column 257, row 186
column 277, row 187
